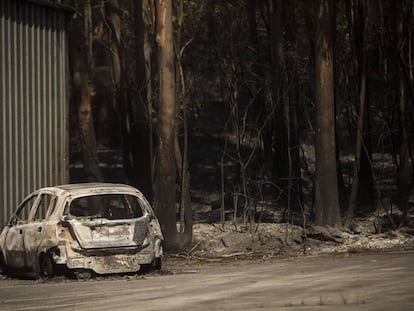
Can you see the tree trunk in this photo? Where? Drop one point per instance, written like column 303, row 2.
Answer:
column 326, row 189
column 186, row 215
column 136, row 129
column 81, row 98
column 114, row 20
column 88, row 32
column 120, row 95
column 362, row 190
column 280, row 104
column 186, row 220
column 141, row 174
column 252, row 6
column 405, row 173
column 295, row 187
column 343, row 195
column 165, row 169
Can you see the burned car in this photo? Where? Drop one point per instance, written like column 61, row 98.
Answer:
column 100, row 227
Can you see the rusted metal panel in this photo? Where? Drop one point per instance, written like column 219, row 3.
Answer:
column 33, row 100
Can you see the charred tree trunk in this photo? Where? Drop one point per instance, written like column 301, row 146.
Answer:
column 295, row 188
column 81, row 98
column 280, row 105
column 186, row 215
column 136, row 130
column 362, row 190
column 405, row 174
column 343, row 195
column 119, row 93
column 181, row 154
column 326, row 190
column 261, row 115
column 112, row 15
column 141, row 168
column 405, row 96
column 165, row 168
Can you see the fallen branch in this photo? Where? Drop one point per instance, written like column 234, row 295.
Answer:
column 217, row 227
column 194, row 247
column 235, row 254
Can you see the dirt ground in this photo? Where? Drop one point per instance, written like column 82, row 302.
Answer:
column 357, row 281
column 266, row 266
column 215, row 243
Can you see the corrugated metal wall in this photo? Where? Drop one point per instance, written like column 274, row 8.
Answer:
column 33, row 101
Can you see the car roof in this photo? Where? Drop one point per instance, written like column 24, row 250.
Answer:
column 86, row 188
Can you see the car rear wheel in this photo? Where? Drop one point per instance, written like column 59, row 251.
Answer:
column 47, row 269
column 3, row 267
column 154, row 265
column 82, row 274
column 157, row 263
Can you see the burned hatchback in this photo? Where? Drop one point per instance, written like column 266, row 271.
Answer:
column 99, row 227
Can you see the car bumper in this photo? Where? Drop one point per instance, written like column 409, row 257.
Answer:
column 121, row 263
column 105, row 261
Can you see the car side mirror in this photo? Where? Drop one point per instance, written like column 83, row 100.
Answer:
column 13, row 221
column 66, row 218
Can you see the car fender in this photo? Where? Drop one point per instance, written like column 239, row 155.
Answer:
column 3, row 237
column 158, row 251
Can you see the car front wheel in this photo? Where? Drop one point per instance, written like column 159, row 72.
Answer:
column 3, row 267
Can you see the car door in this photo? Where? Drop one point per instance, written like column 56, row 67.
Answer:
column 35, row 231
column 14, row 247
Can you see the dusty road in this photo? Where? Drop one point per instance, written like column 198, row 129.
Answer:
column 346, row 282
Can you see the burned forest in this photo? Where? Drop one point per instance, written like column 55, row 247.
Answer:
column 241, row 114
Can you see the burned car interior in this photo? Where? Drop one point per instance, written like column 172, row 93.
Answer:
column 109, row 206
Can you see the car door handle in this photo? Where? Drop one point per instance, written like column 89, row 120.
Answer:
column 39, row 229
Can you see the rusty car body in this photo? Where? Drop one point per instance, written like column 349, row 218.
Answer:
column 100, row 227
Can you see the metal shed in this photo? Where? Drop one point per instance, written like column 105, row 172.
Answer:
column 33, row 100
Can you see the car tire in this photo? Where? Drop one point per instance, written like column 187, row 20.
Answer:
column 3, row 266
column 157, row 263
column 47, row 267
column 83, row 275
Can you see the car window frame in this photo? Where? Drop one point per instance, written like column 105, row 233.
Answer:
column 142, row 203
column 14, row 220
column 49, row 209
